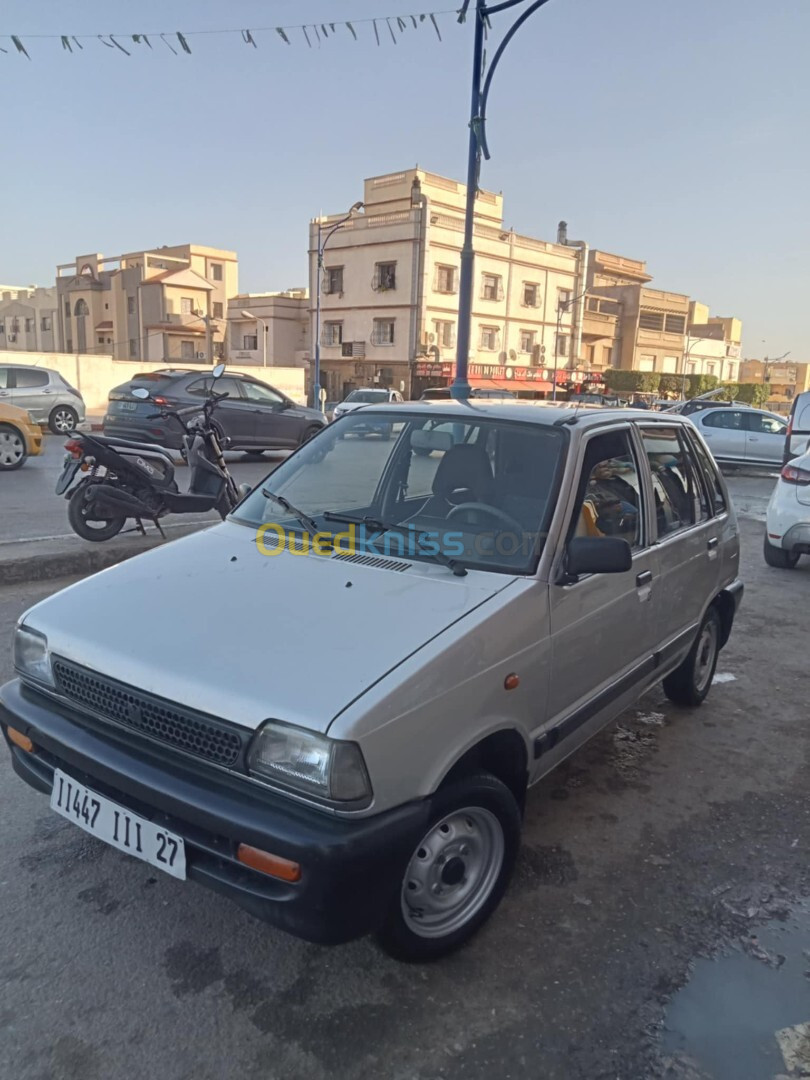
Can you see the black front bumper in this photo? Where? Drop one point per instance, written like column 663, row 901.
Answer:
column 350, row 869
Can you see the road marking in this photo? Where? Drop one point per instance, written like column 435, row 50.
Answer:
column 721, row 677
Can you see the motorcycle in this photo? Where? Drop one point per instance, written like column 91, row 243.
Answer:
column 123, row 479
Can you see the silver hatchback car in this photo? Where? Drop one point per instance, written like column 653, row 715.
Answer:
column 47, row 396
column 418, row 629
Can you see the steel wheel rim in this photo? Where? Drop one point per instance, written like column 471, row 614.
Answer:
column 63, row 420
column 705, row 656
column 452, row 872
column 12, row 448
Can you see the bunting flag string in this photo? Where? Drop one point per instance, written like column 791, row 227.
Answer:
column 177, row 41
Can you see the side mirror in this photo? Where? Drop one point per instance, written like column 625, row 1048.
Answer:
column 141, row 392
column 286, row 404
column 244, row 490
column 598, row 555
column 218, row 371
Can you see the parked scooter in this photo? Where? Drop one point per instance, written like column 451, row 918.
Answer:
column 121, row 479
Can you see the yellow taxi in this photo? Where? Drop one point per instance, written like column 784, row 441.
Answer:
column 20, row 437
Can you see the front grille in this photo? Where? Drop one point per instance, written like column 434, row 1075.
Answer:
column 182, row 728
column 372, row 560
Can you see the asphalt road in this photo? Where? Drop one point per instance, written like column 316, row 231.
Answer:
column 672, row 839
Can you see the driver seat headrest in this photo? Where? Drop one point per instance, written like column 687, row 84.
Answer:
column 465, row 466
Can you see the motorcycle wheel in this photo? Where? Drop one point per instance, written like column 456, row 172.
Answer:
column 91, row 528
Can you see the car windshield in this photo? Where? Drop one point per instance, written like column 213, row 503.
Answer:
column 473, row 489
column 368, row 396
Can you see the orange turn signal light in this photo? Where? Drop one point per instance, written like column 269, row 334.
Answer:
column 20, row 740
column 273, row 865
column 511, row 682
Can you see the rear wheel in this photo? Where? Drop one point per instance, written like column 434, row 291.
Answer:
column 690, row 683
column 63, row 420
column 778, row 557
column 85, row 522
column 12, row 448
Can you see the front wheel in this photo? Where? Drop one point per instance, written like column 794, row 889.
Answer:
column 84, row 522
column 457, row 873
column 63, row 420
column 778, row 557
column 12, row 448
column 690, row 683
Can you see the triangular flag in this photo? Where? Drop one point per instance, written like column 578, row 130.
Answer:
column 306, row 35
column 393, row 35
column 103, row 42
column 376, row 31
column 18, row 45
column 247, row 37
column 282, row 35
column 66, row 43
column 435, row 25
column 415, row 23
column 121, row 47
column 183, row 43
column 354, row 32
column 168, row 44
column 76, row 42
column 401, row 23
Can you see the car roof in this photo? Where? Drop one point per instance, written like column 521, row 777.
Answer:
column 536, row 412
column 28, row 367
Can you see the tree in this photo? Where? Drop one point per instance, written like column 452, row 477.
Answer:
column 633, row 382
column 670, row 384
column 755, row 394
column 701, row 384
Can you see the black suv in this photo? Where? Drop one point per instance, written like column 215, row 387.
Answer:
column 254, row 416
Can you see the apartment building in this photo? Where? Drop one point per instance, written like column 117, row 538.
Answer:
column 713, row 345
column 785, row 379
column 29, row 319
column 269, row 328
column 161, row 304
column 389, row 292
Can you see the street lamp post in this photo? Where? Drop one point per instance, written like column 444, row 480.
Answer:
column 561, row 305
column 263, row 324
column 481, row 84
column 323, row 240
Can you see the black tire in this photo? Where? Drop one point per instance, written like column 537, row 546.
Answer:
column 63, row 420
column 778, row 557
column 105, row 529
column 474, row 812
column 13, row 450
column 689, row 684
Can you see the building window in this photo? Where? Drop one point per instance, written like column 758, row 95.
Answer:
column 711, row 369
column 651, row 320
column 250, row 342
column 333, row 280
column 445, row 279
column 383, row 332
column 675, row 324
column 385, row 276
column 130, row 305
column 216, row 272
column 45, row 324
column 67, row 309
column 593, row 303
column 29, row 326
column 563, row 298
column 81, row 308
column 69, row 345
column 489, row 338
column 646, row 362
column 217, row 310
column 101, row 341
column 186, row 305
column 133, row 347
column 445, row 333
column 562, row 345
column 606, row 355
column 526, row 341
column 332, row 333
column 531, row 294
column 186, row 350
column 491, row 287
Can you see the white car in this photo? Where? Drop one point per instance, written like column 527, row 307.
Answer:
column 787, row 533
column 798, row 432
column 740, row 435
column 368, row 395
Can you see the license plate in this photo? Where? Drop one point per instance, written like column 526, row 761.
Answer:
column 127, row 406
column 105, row 819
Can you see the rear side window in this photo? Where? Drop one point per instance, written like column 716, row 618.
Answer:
column 25, row 377
column 711, row 475
column 676, row 488
column 202, row 387
column 725, row 418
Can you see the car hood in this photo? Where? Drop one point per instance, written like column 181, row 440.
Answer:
column 350, row 406
column 210, row 622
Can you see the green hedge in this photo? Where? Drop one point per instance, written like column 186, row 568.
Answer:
column 652, row 382
column 632, row 382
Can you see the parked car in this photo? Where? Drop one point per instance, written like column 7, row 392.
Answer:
column 710, row 400
column 743, row 436
column 443, row 393
column 20, row 437
column 534, row 575
column 254, row 417
column 787, row 528
column 368, row 395
column 611, row 400
column 45, row 394
column 797, row 437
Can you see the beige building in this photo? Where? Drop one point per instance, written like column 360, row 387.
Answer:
column 29, row 319
column 389, row 292
column 162, row 304
column 713, row 344
column 785, row 380
column 269, row 328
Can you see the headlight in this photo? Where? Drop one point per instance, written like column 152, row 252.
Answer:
column 309, row 763
column 32, row 419
column 31, row 656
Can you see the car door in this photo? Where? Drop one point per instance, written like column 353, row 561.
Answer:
column 29, row 389
column 233, row 413
column 764, row 438
column 725, row 432
column 603, row 626
column 275, row 422
column 687, row 535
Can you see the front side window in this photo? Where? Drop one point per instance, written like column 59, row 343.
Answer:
column 765, row 425
column 712, row 475
column 610, row 500
column 478, row 490
column 676, row 489
column 264, row 395
column 203, row 387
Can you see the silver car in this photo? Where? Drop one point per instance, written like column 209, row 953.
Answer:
column 330, row 707
column 45, row 394
column 740, row 435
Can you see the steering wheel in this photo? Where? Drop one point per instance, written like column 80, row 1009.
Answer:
column 490, row 511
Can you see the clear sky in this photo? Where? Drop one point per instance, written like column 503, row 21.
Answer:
column 671, row 132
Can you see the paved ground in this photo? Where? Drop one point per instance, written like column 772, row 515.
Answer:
column 671, row 839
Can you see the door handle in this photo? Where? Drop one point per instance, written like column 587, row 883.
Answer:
column 644, row 578
column 712, row 544
column 753, row 438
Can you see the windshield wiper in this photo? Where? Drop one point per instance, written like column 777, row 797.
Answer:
column 310, row 525
column 459, row 569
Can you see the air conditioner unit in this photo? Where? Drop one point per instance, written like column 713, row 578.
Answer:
column 200, row 355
